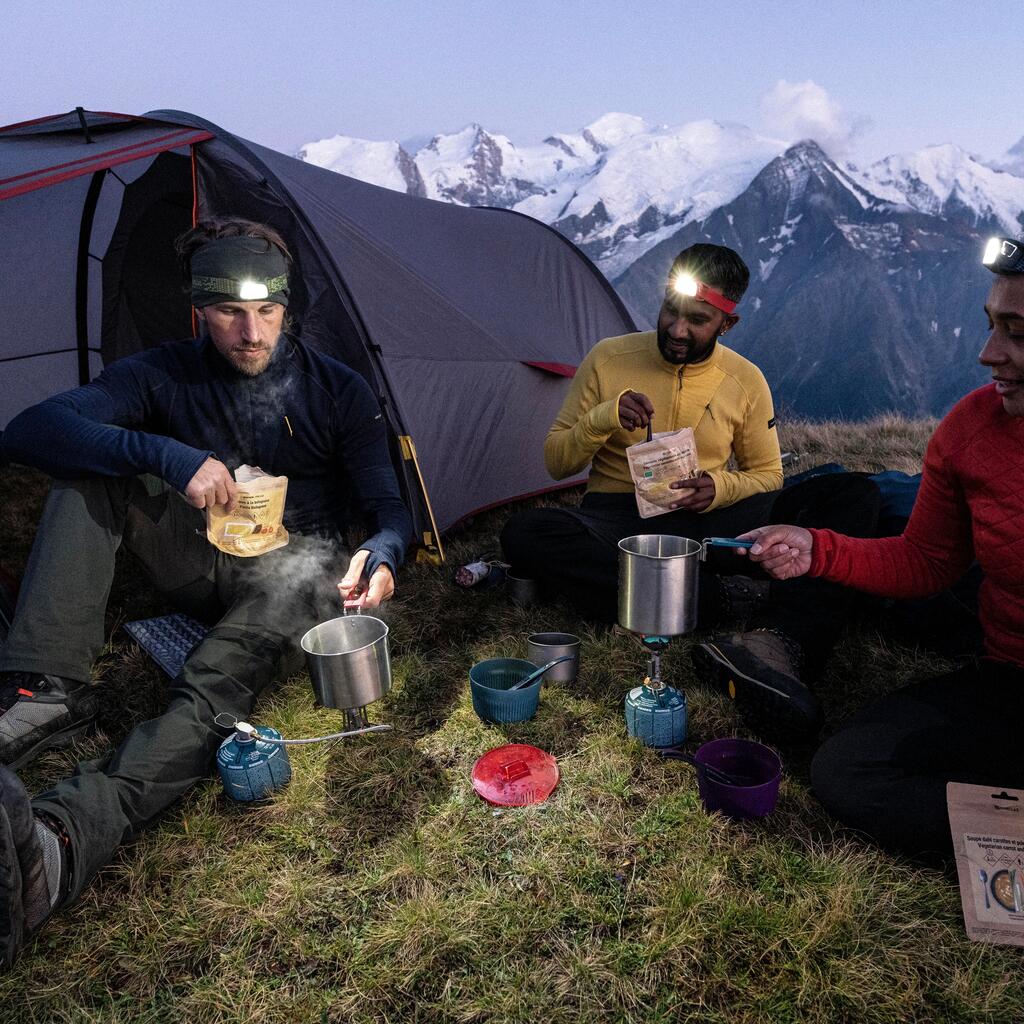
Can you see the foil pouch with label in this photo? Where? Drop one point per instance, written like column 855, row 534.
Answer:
column 255, row 525
column 655, row 464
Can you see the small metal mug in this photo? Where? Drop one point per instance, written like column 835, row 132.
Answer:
column 521, row 590
column 545, row 647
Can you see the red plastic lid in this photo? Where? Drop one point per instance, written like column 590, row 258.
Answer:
column 515, row 775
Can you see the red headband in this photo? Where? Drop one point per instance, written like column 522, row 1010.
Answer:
column 687, row 284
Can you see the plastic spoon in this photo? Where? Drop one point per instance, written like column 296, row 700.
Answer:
column 536, row 675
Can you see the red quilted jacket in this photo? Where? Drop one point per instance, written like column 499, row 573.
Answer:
column 970, row 505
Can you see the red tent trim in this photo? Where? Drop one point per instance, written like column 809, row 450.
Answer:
column 177, row 140
column 559, row 369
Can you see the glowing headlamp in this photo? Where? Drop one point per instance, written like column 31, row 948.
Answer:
column 247, row 290
column 688, row 285
column 252, row 290
column 1004, row 256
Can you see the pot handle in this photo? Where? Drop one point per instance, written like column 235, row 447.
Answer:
column 721, row 542
column 355, row 603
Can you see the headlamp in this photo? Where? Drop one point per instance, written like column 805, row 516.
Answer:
column 251, row 290
column 246, row 290
column 1004, row 256
column 687, row 284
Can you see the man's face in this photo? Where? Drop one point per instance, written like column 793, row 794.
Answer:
column 688, row 328
column 1004, row 350
column 245, row 333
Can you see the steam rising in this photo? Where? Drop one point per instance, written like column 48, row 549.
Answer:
column 301, row 583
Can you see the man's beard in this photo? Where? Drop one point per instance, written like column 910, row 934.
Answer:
column 682, row 359
column 251, row 367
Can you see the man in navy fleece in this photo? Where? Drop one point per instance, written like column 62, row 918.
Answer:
column 138, row 454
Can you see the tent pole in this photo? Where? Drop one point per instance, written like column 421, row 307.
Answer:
column 195, row 221
column 92, row 197
column 433, row 539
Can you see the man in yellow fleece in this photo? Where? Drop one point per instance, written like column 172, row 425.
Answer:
column 677, row 376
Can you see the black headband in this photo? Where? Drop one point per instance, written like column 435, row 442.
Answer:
column 239, row 269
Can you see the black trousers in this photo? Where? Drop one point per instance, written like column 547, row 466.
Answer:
column 885, row 773
column 574, row 555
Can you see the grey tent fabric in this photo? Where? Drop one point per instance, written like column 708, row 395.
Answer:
column 441, row 308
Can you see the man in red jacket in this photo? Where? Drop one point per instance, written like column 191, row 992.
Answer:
column 885, row 772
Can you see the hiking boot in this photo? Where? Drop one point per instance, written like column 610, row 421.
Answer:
column 41, row 711
column 759, row 671
column 742, row 597
column 34, row 867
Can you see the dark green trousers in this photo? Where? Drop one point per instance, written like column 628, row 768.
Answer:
column 261, row 607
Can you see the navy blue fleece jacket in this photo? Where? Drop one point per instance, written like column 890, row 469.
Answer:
column 166, row 410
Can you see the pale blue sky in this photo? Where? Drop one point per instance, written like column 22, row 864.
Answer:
column 903, row 74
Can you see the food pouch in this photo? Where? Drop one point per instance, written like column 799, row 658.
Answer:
column 653, row 465
column 987, row 825
column 253, row 526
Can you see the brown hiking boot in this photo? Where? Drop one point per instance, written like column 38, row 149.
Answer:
column 759, row 670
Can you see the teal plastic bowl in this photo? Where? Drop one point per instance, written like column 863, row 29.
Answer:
column 489, row 683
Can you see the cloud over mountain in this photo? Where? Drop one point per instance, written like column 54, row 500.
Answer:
column 804, row 110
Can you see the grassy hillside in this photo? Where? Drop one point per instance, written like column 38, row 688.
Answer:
column 378, row 887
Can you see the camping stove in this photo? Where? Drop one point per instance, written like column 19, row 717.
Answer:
column 656, row 712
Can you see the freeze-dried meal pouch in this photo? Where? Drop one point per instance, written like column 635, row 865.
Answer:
column 987, row 825
column 254, row 526
column 655, row 464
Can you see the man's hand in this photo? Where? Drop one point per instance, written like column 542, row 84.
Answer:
column 782, row 551
column 382, row 583
column 213, row 484
column 635, row 410
column 695, row 494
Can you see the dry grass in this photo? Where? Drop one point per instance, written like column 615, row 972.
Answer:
column 378, row 887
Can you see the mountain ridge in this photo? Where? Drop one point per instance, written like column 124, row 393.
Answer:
column 876, row 239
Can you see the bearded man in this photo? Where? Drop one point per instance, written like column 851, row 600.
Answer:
column 138, row 454
column 681, row 375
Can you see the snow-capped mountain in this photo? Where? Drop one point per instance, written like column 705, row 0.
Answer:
column 866, row 287
column 1012, row 160
column 615, row 188
column 383, row 163
column 948, row 181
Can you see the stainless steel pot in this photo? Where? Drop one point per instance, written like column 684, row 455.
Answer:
column 658, row 577
column 349, row 662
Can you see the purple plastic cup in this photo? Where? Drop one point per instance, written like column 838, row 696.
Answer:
column 748, row 760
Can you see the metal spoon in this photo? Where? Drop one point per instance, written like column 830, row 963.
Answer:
column 536, row 675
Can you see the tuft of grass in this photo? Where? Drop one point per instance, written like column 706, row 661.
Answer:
column 379, row 888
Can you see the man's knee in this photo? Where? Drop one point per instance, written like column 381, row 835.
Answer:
column 833, row 772
column 855, row 778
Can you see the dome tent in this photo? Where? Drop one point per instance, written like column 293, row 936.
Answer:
column 466, row 322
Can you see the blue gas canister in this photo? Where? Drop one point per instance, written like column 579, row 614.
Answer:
column 656, row 715
column 251, row 768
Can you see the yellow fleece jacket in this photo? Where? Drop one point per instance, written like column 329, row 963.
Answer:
column 725, row 399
